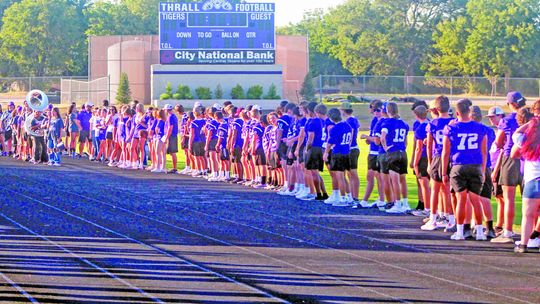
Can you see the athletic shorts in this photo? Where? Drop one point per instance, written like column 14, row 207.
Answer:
column 274, row 161
column 497, row 188
column 173, row 145
column 340, row 162
column 467, row 178
column 8, row 135
column 314, row 159
column 260, row 157
column 109, row 135
column 423, row 167
column 84, row 136
column 290, row 161
column 353, row 157
column 373, row 164
column 212, row 145
column 397, row 162
column 329, row 159
column 487, row 187
column 532, row 189
column 224, row 154
column 237, row 155
column 198, row 149
column 510, row 172
column 185, row 143
column 435, row 169
column 383, row 164
column 282, row 152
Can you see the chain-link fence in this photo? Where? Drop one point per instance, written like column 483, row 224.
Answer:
column 389, row 86
column 15, row 88
column 82, row 91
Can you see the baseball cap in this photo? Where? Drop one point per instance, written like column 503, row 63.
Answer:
column 216, row 106
column 11, row 103
column 197, row 104
column 476, row 112
column 256, row 107
column 346, row 106
column 494, row 111
column 514, row 96
column 89, row 104
column 167, row 107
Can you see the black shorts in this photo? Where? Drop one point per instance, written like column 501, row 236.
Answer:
column 260, row 157
column 383, row 164
column 282, row 151
column 109, row 135
column 329, row 159
column 212, row 145
column 185, row 143
column 435, row 169
column 198, row 149
column 224, row 154
column 340, row 162
column 497, row 188
column 237, row 155
column 487, row 187
column 8, row 135
column 510, row 172
column 423, row 167
column 173, row 145
column 467, row 178
column 84, row 136
column 290, row 150
column 397, row 162
column 373, row 164
column 353, row 157
column 314, row 159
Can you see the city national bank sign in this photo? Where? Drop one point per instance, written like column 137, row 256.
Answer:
column 217, row 32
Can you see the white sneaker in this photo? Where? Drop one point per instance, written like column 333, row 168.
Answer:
column 481, row 236
column 301, row 193
column 343, row 202
column 396, row 209
column 349, row 199
column 420, row 213
column 405, row 207
column 429, row 226
column 308, row 197
column 365, row 204
column 331, row 200
column 532, row 243
column 378, row 203
column 457, row 237
column 285, row 192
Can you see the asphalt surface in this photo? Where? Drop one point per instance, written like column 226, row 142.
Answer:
column 86, row 233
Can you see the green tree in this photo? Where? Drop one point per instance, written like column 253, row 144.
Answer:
column 308, row 90
column 123, row 95
column 255, row 92
column 44, row 38
column 218, row 92
column 272, row 93
column 238, row 92
column 203, row 93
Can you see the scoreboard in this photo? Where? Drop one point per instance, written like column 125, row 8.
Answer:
column 217, row 32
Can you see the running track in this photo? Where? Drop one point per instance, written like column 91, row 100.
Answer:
column 86, row 233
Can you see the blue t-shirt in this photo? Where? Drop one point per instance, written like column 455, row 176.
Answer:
column 508, row 125
column 173, row 122
column 223, row 133
column 284, row 123
column 238, row 125
column 490, row 133
column 378, row 129
column 341, row 137
column 160, row 128
column 327, row 123
column 466, row 142
column 259, row 131
column 212, row 127
column 315, row 126
column 373, row 148
column 302, row 125
column 420, row 133
column 197, row 127
column 183, row 122
column 355, row 125
column 84, row 119
column 396, row 134
column 436, row 129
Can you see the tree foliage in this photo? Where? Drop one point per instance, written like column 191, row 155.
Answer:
column 123, row 95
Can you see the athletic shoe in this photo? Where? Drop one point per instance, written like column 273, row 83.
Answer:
column 521, row 249
column 405, row 207
column 111, row 164
column 396, row 209
column 420, row 213
column 301, row 194
column 386, row 206
column 285, row 192
column 532, row 243
column 332, row 199
column 491, row 234
column 308, row 197
column 442, row 222
column 49, row 163
column 429, row 226
column 498, row 231
column 56, row 164
column 450, row 228
column 502, row 239
column 259, row 186
column 172, row 171
column 467, row 234
column 342, row 202
column 457, row 237
column 481, row 236
column 425, row 220
column 158, row 171
column 213, row 179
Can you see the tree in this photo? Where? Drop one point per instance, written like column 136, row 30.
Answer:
column 44, row 38
column 124, row 92
column 308, row 90
column 218, row 92
column 272, row 93
column 238, row 92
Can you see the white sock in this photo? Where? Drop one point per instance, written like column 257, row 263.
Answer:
column 507, row 233
column 227, row 174
column 286, row 185
column 405, row 201
column 479, row 230
column 460, row 229
column 451, row 219
column 348, row 196
column 433, row 217
column 335, row 193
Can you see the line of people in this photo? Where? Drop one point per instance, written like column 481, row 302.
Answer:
column 459, row 163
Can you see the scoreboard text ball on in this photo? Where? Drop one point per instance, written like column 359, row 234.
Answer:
column 217, row 32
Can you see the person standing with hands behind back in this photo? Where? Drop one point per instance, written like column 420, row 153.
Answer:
column 172, row 137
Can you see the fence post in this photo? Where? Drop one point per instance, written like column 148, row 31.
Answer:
column 320, row 88
column 29, row 83
column 451, row 86
column 364, row 84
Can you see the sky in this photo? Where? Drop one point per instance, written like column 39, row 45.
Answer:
column 292, row 10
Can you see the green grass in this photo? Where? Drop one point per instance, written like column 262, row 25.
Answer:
column 362, row 171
